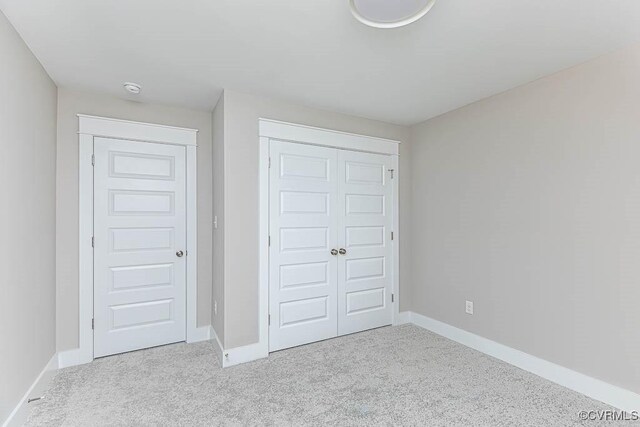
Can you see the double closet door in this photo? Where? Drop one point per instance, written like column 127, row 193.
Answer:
column 330, row 249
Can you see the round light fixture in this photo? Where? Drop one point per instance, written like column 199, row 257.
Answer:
column 389, row 14
column 133, row 88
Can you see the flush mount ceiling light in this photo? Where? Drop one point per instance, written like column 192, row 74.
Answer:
column 133, row 88
column 389, row 13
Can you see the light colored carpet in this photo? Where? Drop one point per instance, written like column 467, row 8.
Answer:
column 401, row 375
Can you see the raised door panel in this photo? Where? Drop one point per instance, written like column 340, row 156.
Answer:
column 145, row 166
column 127, row 202
column 304, row 274
column 140, row 314
column 130, row 278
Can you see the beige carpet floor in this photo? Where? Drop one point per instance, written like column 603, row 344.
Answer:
column 400, row 375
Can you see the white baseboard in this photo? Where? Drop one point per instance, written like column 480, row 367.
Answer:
column 72, row 357
column 217, row 345
column 404, row 317
column 244, row 354
column 20, row 413
column 594, row 388
column 202, row 333
column 237, row 355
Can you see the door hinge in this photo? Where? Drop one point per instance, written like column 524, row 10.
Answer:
column 269, row 240
column 391, row 170
column 269, row 320
column 93, row 242
column 392, row 297
column 93, row 160
column 93, row 323
column 392, row 235
column 269, row 162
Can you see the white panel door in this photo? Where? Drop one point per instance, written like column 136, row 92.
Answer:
column 303, row 231
column 365, row 279
column 140, row 244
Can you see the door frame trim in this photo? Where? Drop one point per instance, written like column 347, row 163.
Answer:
column 90, row 127
column 301, row 134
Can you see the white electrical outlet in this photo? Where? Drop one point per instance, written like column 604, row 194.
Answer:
column 469, row 307
column 215, row 307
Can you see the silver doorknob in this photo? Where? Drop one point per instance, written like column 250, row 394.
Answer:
column 343, row 251
column 179, row 254
column 334, row 252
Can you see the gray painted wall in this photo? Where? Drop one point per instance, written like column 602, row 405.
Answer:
column 71, row 103
column 241, row 114
column 27, row 218
column 528, row 204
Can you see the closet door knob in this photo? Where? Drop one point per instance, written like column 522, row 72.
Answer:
column 179, row 254
column 334, row 252
column 343, row 251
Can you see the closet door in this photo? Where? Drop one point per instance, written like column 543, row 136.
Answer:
column 303, row 233
column 364, row 235
column 140, row 242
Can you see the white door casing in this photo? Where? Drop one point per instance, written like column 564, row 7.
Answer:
column 303, row 272
column 365, row 280
column 330, row 251
column 140, row 245
column 91, row 128
column 274, row 130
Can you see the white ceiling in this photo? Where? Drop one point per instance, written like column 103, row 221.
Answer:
column 313, row 52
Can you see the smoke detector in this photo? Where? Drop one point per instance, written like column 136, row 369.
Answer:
column 389, row 14
column 133, row 88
